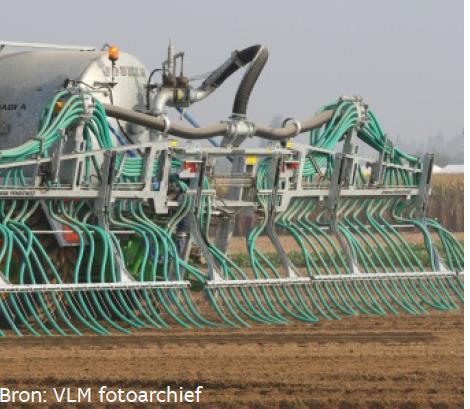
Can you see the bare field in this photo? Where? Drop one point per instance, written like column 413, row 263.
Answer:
column 404, row 362
column 238, row 244
column 365, row 362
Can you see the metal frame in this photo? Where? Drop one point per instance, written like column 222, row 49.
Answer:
column 285, row 187
column 135, row 285
column 323, row 278
column 16, row 44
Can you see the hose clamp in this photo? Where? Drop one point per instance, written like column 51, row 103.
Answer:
column 41, row 141
column 296, row 123
column 238, row 129
column 347, row 98
column 87, row 101
column 166, row 122
column 361, row 108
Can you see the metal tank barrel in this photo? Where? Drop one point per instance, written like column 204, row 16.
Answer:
column 29, row 79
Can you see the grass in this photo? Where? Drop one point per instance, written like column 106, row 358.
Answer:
column 242, row 260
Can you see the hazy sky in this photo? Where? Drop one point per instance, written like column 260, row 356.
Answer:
column 405, row 57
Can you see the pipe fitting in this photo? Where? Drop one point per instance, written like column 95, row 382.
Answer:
column 164, row 97
column 166, row 122
column 295, row 122
column 257, row 55
column 275, row 134
column 238, row 129
column 361, row 109
column 88, row 106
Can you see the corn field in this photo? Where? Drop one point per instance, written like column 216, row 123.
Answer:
column 446, row 203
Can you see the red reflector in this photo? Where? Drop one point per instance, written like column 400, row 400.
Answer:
column 191, row 166
column 70, row 236
column 294, row 165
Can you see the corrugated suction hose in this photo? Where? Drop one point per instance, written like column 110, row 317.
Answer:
column 259, row 55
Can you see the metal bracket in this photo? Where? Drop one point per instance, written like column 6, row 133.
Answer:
column 270, row 228
column 238, row 129
column 377, row 168
column 102, row 202
column 195, row 228
column 350, row 150
column 160, row 200
column 425, row 183
column 424, row 190
column 56, row 157
column 333, row 201
column 226, row 225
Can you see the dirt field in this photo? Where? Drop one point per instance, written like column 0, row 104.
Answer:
column 394, row 362
column 238, row 244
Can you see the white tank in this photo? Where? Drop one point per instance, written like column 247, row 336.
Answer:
column 28, row 81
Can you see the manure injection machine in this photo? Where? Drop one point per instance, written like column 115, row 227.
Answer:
column 103, row 196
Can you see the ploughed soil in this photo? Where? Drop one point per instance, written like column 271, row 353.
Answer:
column 238, row 243
column 362, row 362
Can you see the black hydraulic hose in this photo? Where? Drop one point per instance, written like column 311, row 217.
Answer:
column 220, row 129
column 237, row 60
column 255, row 54
column 249, row 79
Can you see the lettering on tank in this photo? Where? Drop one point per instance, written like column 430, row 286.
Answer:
column 12, row 107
